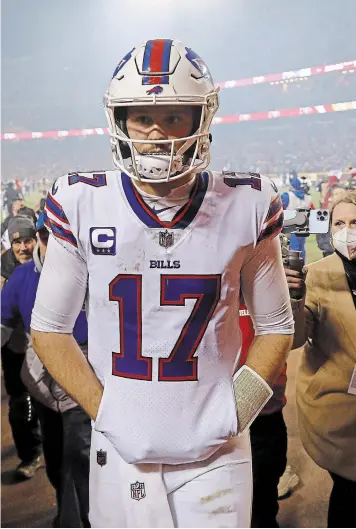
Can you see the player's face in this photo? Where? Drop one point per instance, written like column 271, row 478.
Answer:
column 158, row 123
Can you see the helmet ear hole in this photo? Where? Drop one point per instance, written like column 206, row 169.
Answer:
column 120, row 116
column 197, row 111
column 125, row 150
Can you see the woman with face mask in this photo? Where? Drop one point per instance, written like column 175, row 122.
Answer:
column 326, row 382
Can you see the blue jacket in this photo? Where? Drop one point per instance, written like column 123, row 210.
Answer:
column 18, row 298
column 17, row 301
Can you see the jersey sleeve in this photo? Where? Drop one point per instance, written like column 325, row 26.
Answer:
column 265, row 290
column 63, row 282
column 58, row 214
column 61, row 291
column 273, row 219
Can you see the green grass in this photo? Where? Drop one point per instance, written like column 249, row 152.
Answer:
column 33, row 199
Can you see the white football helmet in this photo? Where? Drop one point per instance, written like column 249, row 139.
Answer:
column 161, row 72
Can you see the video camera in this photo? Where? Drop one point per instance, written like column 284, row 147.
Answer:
column 305, row 221
column 302, row 222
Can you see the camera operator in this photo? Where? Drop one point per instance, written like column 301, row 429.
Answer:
column 325, row 316
column 295, row 198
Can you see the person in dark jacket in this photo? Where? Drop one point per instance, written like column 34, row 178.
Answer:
column 22, row 238
column 10, row 195
column 65, row 426
column 18, row 209
column 22, row 415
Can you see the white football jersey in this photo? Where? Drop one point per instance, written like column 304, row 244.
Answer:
column 162, row 303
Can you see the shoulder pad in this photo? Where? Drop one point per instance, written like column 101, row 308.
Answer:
column 233, row 179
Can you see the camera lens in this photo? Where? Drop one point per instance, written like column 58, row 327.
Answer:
column 319, row 213
column 321, row 218
column 325, row 213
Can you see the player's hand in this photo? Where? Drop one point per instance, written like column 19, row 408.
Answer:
column 296, row 282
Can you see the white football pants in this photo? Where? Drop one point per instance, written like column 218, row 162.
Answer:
column 216, row 492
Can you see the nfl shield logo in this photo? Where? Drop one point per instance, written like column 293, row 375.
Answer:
column 166, row 239
column 138, row 491
column 101, row 457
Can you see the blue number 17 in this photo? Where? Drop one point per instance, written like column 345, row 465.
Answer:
column 175, row 289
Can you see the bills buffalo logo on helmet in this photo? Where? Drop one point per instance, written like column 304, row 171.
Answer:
column 155, row 90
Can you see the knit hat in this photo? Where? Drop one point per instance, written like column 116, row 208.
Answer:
column 21, row 226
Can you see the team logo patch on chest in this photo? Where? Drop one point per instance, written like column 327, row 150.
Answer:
column 138, row 491
column 101, row 457
column 166, row 239
column 103, row 241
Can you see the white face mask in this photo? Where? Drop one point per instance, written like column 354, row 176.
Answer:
column 344, row 241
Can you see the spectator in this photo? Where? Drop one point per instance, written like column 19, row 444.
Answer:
column 293, row 199
column 18, row 208
column 22, row 238
column 16, row 205
column 336, row 192
column 65, row 426
column 11, row 194
column 326, row 389
column 22, row 417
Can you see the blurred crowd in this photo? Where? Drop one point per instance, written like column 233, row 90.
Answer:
column 317, row 144
column 311, row 144
column 317, row 90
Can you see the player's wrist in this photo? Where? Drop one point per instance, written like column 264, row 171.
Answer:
column 251, row 394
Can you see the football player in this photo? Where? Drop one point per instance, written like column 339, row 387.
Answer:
column 160, row 248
